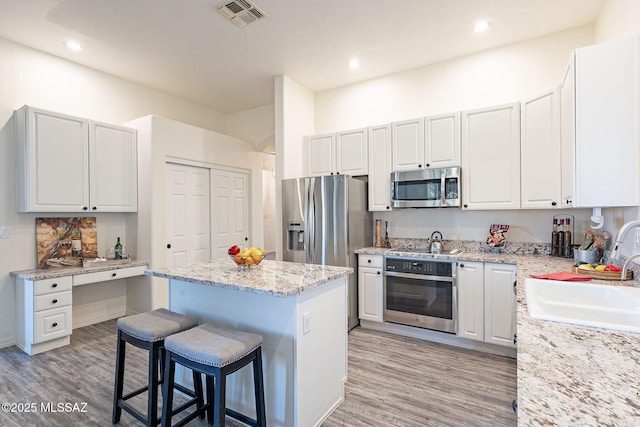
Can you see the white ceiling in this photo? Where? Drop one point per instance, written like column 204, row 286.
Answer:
column 186, row 48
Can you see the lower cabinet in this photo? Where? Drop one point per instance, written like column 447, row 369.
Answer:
column 370, row 287
column 43, row 313
column 487, row 302
column 44, row 307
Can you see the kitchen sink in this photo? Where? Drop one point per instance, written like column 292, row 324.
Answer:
column 601, row 306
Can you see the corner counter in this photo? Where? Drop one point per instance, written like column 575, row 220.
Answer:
column 567, row 374
column 301, row 312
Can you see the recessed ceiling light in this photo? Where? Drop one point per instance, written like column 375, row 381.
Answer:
column 481, row 26
column 354, row 64
column 75, row 46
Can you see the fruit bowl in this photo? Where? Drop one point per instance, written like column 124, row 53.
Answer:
column 246, row 257
column 247, row 261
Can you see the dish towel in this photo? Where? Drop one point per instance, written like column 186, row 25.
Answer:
column 563, row 276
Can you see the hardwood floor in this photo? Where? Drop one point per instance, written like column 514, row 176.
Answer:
column 393, row 381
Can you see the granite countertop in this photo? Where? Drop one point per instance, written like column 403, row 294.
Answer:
column 95, row 267
column 567, row 374
column 277, row 278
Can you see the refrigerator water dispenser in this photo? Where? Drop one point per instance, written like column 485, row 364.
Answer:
column 295, row 236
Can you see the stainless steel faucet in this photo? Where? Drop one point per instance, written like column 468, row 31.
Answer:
column 626, row 263
column 614, row 254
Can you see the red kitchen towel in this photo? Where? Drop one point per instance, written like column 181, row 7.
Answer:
column 563, row 276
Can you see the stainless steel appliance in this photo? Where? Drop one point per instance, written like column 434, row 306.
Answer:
column 420, row 292
column 324, row 220
column 426, row 188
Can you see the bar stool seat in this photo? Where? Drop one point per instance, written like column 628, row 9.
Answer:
column 215, row 352
column 148, row 331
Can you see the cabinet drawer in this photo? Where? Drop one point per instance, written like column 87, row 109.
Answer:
column 103, row 276
column 374, row 261
column 55, row 300
column 52, row 324
column 47, row 286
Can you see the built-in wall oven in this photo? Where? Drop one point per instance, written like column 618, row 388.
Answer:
column 420, row 292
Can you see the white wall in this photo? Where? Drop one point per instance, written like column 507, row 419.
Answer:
column 493, row 77
column 31, row 77
column 256, row 125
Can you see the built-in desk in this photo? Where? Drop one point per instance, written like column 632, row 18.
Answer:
column 44, row 309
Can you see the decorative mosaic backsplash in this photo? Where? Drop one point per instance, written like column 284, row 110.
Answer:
column 64, row 242
column 520, row 248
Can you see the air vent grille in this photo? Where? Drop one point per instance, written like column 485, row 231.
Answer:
column 241, row 12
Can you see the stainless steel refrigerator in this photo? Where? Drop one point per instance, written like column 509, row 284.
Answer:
column 325, row 219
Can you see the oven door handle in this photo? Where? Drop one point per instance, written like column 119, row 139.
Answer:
column 419, row 276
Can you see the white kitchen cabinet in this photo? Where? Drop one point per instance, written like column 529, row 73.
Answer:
column 44, row 309
column 568, row 134
column 70, row 164
column 487, row 302
column 380, row 168
column 43, row 314
column 113, row 166
column 442, row 140
column 491, row 158
column 602, row 125
column 407, row 142
column 470, row 283
column 500, row 304
column 343, row 153
column 540, row 151
column 370, row 287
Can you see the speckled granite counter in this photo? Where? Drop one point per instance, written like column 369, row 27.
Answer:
column 277, row 278
column 52, row 273
column 568, row 375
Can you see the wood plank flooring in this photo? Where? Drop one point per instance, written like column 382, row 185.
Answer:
column 393, row 381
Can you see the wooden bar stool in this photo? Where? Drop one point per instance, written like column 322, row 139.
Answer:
column 215, row 352
column 148, row 331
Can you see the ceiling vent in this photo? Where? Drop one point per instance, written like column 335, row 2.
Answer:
column 241, row 12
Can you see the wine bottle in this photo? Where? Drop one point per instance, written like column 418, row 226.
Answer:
column 76, row 243
column 118, row 249
column 568, row 239
column 554, row 238
column 561, row 238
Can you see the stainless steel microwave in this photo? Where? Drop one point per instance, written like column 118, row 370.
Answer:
column 426, row 188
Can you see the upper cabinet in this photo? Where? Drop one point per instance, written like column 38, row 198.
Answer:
column 600, row 126
column 380, row 168
column 491, row 158
column 344, row 153
column 540, row 151
column 407, row 142
column 430, row 142
column 70, row 164
column 442, row 141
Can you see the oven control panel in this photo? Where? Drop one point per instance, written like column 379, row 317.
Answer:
column 416, row 266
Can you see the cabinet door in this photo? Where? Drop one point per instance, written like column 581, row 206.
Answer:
column 53, row 161
column 500, row 304
column 540, row 151
column 607, row 149
column 568, row 133
column 320, row 155
column 114, row 168
column 370, row 294
column 470, row 283
column 380, row 168
column 491, row 158
column 408, row 144
column 442, row 140
column 352, row 152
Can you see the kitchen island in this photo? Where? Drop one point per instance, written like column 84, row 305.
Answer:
column 301, row 312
